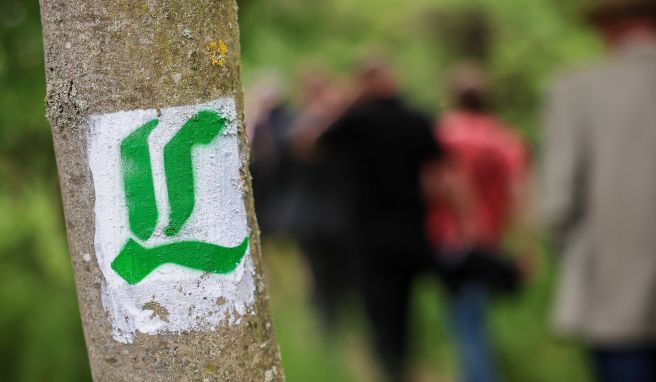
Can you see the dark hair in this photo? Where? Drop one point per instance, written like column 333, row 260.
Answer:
column 617, row 11
column 472, row 99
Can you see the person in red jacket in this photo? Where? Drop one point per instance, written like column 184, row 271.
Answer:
column 485, row 171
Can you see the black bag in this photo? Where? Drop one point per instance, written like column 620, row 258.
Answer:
column 500, row 273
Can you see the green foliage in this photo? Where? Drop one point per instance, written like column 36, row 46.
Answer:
column 522, row 43
column 526, row 43
column 40, row 330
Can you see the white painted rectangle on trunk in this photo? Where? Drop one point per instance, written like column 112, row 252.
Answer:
column 171, row 230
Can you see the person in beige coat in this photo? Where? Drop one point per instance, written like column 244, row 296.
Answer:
column 599, row 195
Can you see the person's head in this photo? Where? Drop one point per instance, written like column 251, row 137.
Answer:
column 468, row 88
column 269, row 89
column 314, row 81
column 623, row 21
column 377, row 79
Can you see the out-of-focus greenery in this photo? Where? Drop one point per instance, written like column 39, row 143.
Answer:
column 523, row 44
column 40, row 331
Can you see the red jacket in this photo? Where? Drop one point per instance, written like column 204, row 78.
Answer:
column 492, row 161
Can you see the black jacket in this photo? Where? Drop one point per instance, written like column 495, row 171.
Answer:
column 386, row 143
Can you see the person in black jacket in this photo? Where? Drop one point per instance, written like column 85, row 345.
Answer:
column 386, row 144
column 270, row 162
column 321, row 202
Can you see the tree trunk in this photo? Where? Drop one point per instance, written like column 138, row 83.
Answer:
column 145, row 103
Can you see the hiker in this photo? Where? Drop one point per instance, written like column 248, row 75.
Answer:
column 270, row 162
column 598, row 191
column 386, row 143
column 321, row 197
column 485, row 173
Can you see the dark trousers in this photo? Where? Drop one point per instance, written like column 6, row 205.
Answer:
column 632, row 364
column 386, row 297
column 329, row 259
column 386, row 270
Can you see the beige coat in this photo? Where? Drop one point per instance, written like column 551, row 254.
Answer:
column 599, row 198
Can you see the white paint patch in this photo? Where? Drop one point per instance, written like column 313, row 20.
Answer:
column 172, row 298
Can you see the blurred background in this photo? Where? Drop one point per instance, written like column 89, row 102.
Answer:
column 521, row 43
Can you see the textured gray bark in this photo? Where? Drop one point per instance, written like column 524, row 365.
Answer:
column 109, row 55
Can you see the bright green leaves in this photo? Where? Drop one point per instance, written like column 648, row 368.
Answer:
column 200, row 130
column 135, row 261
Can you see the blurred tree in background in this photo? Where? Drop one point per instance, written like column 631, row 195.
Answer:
column 522, row 42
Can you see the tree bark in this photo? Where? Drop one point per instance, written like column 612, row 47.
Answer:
column 105, row 56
